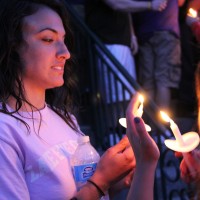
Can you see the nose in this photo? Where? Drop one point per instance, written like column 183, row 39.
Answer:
column 63, row 52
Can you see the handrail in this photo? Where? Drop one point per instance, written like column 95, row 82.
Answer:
column 81, row 23
column 152, row 108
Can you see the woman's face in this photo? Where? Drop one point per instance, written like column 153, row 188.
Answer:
column 44, row 52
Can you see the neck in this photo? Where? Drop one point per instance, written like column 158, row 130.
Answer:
column 36, row 99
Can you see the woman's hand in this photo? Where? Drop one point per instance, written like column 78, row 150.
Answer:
column 114, row 165
column 159, row 5
column 146, row 154
column 134, row 45
column 145, row 149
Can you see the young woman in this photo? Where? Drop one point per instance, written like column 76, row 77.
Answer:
column 38, row 132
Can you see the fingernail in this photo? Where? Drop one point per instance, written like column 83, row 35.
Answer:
column 137, row 120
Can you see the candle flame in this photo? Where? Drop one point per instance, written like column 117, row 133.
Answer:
column 192, row 13
column 141, row 98
column 165, row 117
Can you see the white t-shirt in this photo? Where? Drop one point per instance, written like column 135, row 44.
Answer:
column 36, row 166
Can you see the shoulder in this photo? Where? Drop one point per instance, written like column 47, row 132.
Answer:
column 10, row 127
column 7, row 120
column 9, row 130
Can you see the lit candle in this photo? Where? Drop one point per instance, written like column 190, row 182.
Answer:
column 192, row 13
column 138, row 113
column 183, row 143
column 173, row 127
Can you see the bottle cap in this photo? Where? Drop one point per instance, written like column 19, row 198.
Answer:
column 83, row 139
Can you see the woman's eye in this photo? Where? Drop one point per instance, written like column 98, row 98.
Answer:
column 48, row 40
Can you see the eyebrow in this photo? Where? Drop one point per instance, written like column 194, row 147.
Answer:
column 49, row 29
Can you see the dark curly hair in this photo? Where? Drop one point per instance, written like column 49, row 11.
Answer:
column 60, row 99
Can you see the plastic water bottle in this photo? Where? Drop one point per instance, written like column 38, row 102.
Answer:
column 84, row 161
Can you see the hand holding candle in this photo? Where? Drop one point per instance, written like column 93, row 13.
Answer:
column 138, row 113
column 182, row 143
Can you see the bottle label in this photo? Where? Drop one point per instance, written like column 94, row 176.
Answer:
column 83, row 172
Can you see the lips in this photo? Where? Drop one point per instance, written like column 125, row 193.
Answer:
column 58, row 68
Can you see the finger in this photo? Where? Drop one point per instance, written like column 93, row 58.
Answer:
column 191, row 161
column 130, row 155
column 128, row 178
column 184, row 169
column 140, row 128
column 121, row 145
column 178, row 154
column 133, row 106
column 185, row 174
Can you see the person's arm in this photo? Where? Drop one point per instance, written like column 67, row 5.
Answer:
column 181, row 2
column 114, row 165
column 12, row 180
column 136, row 6
column 146, row 154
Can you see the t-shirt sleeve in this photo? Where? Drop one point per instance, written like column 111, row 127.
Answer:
column 12, row 178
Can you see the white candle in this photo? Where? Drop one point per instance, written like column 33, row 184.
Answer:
column 173, row 127
column 176, row 132
column 139, row 111
column 179, row 139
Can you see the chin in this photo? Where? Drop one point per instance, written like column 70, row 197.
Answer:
column 59, row 85
column 56, row 84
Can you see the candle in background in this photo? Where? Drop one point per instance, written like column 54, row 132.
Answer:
column 192, row 13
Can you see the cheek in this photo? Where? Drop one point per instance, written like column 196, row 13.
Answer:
column 31, row 61
column 33, row 51
column 33, row 57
